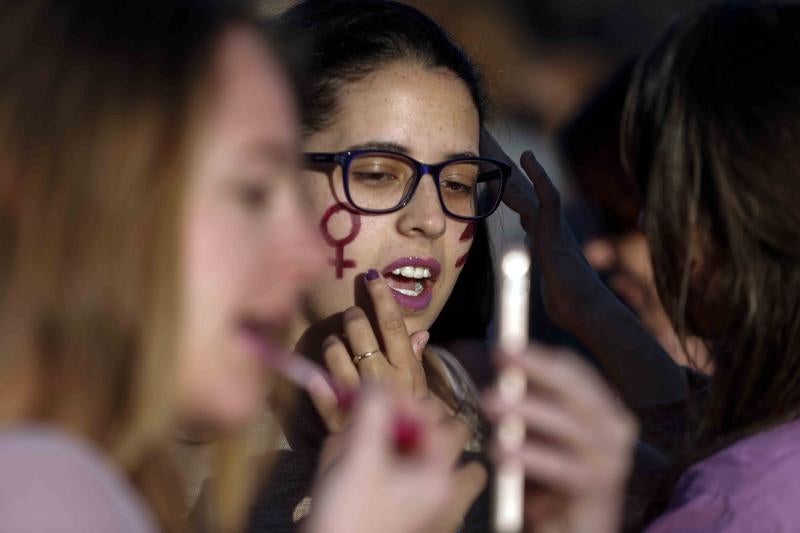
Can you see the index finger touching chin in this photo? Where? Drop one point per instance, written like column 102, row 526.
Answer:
column 365, row 350
column 390, row 323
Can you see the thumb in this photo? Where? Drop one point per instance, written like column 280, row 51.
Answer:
column 547, row 193
column 519, row 195
column 418, row 342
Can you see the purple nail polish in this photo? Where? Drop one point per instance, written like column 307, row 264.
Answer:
column 372, row 274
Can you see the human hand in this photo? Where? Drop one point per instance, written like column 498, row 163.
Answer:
column 373, row 486
column 569, row 283
column 578, row 452
column 576, row 299
column 390, row 356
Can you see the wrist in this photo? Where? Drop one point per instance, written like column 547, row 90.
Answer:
column 599, row 307
column 579, row 306
column 601, row 513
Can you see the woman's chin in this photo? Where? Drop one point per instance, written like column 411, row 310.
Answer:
column 415, row 323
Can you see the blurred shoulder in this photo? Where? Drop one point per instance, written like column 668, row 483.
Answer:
column 751, row 486
column 55, row 482
column 768, row 459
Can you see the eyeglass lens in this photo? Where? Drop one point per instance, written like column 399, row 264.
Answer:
column 380, row 182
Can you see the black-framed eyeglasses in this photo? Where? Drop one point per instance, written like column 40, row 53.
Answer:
column 379, row 181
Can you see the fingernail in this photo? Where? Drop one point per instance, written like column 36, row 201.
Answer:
column 372, row 274
column 422, row 340
column 527, row 155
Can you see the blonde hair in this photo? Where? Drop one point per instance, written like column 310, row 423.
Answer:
column 96, row 104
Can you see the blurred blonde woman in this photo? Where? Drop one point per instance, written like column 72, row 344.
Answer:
column 152, row 246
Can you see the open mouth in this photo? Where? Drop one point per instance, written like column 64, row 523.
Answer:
column 412, row 280
column 409, row 280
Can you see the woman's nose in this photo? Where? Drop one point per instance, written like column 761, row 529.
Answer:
column 423, row 215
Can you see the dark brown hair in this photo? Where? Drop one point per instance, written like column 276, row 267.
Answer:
column 711, row 131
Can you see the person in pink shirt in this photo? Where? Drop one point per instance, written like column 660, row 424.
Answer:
column 712, row 130
column 153, row 246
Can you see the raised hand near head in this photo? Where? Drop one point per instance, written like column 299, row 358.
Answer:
column 569, row 281
column 574, row 296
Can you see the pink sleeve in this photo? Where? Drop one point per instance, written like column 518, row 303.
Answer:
column 53, row 483
column 700, row 513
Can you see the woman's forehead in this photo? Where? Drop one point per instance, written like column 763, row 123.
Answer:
column 428, row 111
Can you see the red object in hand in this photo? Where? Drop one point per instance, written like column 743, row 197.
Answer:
column 299, row 371
column 406, row 430
column 345, row 398
column 406, row 434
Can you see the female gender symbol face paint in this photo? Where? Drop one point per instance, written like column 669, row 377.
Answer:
column 467, row 235
column 339, row 262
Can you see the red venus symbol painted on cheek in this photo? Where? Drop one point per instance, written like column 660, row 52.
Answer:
column 338, row 244
column 467, row 235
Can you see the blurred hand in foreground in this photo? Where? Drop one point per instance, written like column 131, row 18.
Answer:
column 393, row 470
column 578, row 450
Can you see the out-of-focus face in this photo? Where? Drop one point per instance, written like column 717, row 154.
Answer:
column 429, row 115
column 247, row 248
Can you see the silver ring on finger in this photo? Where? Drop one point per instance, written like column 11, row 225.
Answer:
column 366, row 355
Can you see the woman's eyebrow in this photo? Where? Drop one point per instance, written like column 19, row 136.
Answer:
column 461, row 155
column 381, row 145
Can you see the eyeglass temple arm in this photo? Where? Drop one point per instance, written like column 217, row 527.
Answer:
column 316, row 157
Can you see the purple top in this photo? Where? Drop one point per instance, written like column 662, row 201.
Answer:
column 751, row 486
column 52, row 482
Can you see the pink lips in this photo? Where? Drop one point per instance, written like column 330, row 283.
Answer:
column 423, row 300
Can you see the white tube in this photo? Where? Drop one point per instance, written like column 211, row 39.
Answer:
column 509, row 490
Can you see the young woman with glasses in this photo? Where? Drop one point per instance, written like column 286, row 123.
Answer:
column 400, row 182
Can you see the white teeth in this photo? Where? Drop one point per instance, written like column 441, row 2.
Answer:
column 418, row 288
column 412, row 272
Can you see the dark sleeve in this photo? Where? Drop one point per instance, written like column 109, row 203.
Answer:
column 479, row 517
column 667, row 427
column 290, row 482
column 665, row 431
